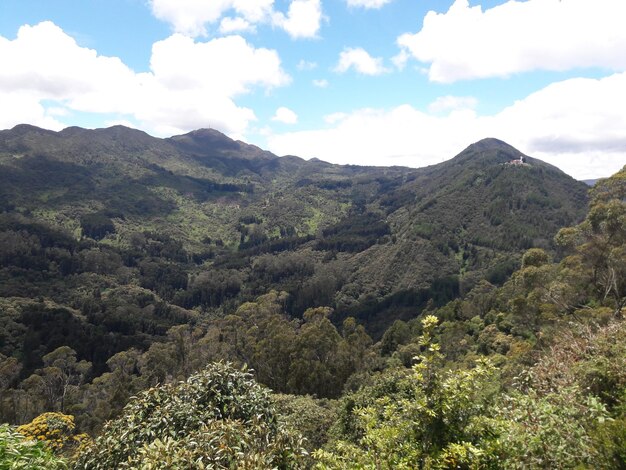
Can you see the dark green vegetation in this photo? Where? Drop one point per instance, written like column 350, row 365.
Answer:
column 409, row 318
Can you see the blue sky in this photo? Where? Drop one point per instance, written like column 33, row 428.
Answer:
column 379, row 82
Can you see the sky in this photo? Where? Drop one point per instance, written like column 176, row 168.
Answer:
column 367, row 82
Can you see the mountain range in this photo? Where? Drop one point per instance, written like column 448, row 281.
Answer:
column 160, row 293
column 205, row 222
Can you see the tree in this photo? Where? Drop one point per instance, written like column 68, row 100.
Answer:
column 60, row 376
column 107, row 394
column 316, row 365
column 9, row 371
column 600, row 240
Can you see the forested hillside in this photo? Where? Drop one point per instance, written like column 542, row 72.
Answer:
column 206, row 223
column 443, row 308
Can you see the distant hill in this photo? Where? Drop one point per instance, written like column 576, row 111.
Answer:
column 590, row 182
column 206, row 222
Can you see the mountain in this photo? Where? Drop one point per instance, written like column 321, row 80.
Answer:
column 202, row 223
column 497, row 201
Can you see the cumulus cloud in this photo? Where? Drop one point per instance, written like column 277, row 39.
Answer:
column 575, row 124
column 452, row 103
column 367, row 3
column 45, row 63
column 320, row 83
column 20, row 107
column 191, row 17
column 285, row 115
column 181, row 92
column 359, row 59
column 468, row 42
column 180, row 62
column 334, row 118
column 230, row 25
column 302, row 20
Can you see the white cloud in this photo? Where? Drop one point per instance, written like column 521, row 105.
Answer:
column 305, row 65
column 334, row 118
column 452, row 103
column 400, row 59
column 254, row 11
column 181, row 63
column 191, row 17
column 57, row 111
column 180, row 93
column 302, row 20
column 264, row 131
column 230, row 25
column 367, row 3
column 575, row 124
column 20, row 107
column 285, row 115
column 320, row 83
column 467, row 42
column 45, row 63
column 359, row 59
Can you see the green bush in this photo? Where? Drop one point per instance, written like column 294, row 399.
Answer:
column 550, row 431
column 435, row 421
column 218, row 418
column 20, row 453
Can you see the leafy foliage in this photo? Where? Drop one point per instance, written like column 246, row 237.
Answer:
column 20, row 453
column 219, row 418
column 435, row 421
column 600, row 241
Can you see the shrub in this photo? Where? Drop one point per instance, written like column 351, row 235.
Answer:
column 435, row 421
column 218, row 418
column 20, row 453
column 55, row 430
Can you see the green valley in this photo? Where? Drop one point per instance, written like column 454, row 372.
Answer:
column 229, row 308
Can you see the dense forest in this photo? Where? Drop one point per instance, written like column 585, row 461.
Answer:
column 196, row 302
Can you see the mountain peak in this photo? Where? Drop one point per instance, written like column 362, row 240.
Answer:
column 206, row 142
column 491, row 143
column 488, row 151
column 207, row 132
column 22, row 129
column 207, row 135
column 119, row 128
column 202, row 139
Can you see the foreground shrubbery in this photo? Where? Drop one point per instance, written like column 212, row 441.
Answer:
column 20, row 453
column 56, row 431
column 565, row 412
column 219, row 418
column 426, row 419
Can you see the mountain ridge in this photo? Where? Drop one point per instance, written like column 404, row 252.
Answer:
column 203, row 139
column 346, row 236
